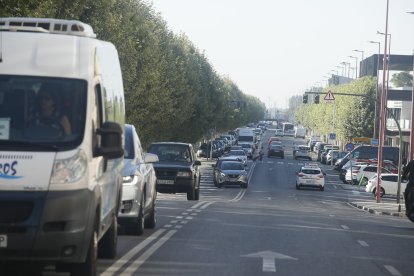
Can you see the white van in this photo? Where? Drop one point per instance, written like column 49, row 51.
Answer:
column 61, row 143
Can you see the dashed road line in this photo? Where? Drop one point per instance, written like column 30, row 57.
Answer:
column 363, row 243
column 392, row 270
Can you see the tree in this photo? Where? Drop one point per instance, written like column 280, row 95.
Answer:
column 402, row 79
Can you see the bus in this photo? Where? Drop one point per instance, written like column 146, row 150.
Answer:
column 288, row 129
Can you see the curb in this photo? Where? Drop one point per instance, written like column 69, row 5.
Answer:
column 375, row 212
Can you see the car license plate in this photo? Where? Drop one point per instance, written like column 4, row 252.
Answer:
column 233, row 179
column 309, row 181
column 3, row 241
column 164, row 181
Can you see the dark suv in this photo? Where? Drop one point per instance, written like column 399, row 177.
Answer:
column 177, row 170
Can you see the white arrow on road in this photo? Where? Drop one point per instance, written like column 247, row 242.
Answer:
column 269, row 259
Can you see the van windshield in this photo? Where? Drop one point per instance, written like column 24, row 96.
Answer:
column 39, row 113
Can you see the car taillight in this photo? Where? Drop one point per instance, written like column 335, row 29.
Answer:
column 321, row 176
column 301, row 174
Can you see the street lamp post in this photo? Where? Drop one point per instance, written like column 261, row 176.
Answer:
column 342, row 69
column 382, row 113
column 345, row 64
column 362, row 58
column 377, row 91
column 412, row 117
column 388, row 60
column 356, row 66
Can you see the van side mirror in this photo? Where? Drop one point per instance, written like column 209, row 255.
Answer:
column 111, row 141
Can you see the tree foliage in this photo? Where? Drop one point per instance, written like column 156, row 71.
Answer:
column 172, row 91
column 354, row 115
column 402, row 79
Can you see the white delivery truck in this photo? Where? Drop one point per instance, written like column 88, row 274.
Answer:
column 61, row 144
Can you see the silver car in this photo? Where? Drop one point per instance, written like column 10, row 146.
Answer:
column 139, row 186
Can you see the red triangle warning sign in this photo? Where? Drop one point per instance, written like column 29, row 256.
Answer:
column 329, row 96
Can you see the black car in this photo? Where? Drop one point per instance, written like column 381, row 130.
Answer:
column 276, row 150
column 177, row 170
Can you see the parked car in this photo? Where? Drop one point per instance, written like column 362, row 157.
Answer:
column 217, row 165
column 389, row 184
column 276, row 150
column 311, row 176
column 279, row 132
column 178, row 169
column 205, row 150
column 325, row 152
column 366, row 172
column 302, row 151
column 232, row 173
column 139, row 192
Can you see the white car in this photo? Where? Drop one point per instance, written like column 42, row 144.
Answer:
column 302, row 151
column 310, row 175
column 139, row 194
column 366, row 172
column 389, row 184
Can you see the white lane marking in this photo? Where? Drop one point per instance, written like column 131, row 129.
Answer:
column 345, row 227
column 364, row 244
column 205, row 206
column 131, row 253
column 197, row 205
column 332, row 216
column 178, row 226
column 239, row 195
column 268, row 265
column 130, row 270
column 188, row 218
column 392, row 270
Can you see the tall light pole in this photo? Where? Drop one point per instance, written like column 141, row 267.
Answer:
column 412, row 117
column 356, row 66
column 345, row 64
column 376, row 91
column 342, row 67
column 388, row 60
column 362, row 58
column 382, row 112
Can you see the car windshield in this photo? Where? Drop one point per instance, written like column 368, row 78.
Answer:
column 311, row 171
column 171, row 152
column 237, row 152
column 37, row 111
column 232, row 166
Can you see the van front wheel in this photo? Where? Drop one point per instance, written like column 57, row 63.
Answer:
column 88, row 268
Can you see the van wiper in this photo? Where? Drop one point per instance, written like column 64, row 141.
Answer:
column 19, row 144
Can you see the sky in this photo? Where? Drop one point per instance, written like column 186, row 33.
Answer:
column 274, row 49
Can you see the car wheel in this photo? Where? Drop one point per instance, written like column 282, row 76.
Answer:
column 191, row 194
column 374, row 192
column 138, row 228
column 89, row 267
column 297, row 187
column 197, row 194
column 151, row 220
column 322, row 188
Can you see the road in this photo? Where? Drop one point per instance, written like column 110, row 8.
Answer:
column 270, row 228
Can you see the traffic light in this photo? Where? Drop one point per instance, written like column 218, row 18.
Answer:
column 316, row 99
column 305, row 99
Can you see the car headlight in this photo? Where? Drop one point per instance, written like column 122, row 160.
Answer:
column 222, row 174
column 128, row 179
column 69, row 170
column 184, row 174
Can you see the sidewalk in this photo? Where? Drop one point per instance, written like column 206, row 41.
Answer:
column 390, row 209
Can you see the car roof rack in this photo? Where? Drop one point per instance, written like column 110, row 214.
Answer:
column 46, row 25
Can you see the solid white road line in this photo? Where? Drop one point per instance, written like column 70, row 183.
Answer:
column 130, row 254
column 345, row 227
column 130, row 270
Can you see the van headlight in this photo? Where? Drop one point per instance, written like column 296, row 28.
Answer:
column 69, row 170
